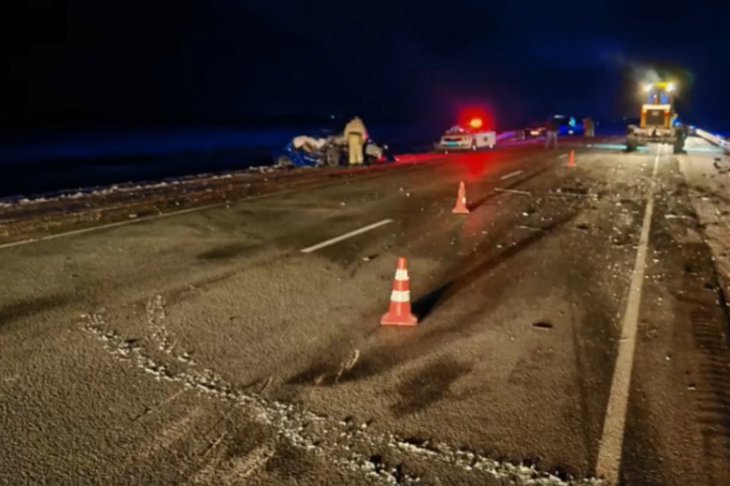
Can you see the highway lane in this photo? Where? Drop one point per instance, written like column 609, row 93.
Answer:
column 207, row 348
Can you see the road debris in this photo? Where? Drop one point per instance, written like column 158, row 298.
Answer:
column 543, row 325
column 348, row 365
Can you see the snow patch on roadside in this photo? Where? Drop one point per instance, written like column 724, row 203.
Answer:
column 126, row 188
column 332, row 439
column 292, row 423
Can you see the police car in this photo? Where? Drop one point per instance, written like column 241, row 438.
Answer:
column 472, row 138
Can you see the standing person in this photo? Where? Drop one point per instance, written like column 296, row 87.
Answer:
column 553, row 127
column 356, row 135
column 589, row 127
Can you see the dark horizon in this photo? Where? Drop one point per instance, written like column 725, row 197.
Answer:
column 81, row 63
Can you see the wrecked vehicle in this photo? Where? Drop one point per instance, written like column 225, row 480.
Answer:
column 326, row 151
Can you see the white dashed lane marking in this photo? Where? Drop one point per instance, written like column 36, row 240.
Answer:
column 337, row 239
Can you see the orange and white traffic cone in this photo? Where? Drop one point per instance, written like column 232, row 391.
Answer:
column 400, row 300
column 460, row 207
column 571, row 159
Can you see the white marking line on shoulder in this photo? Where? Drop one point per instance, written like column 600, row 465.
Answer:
column 107, row 226
column 608, row 464
column 337, row 239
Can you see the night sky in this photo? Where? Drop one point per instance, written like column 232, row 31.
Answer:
column 202, row 62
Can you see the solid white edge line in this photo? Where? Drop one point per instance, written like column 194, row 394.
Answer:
column 608, row 463
column 337, row 239
column 511, row 174
column 107, row 226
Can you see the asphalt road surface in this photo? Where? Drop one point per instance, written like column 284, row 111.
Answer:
column 572, row 332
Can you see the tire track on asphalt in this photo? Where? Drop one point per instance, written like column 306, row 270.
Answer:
column 472, row 265
column 336, row 441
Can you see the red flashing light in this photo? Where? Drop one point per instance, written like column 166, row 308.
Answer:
column 476, row 118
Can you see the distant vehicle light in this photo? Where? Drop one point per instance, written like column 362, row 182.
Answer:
column 476, row 123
